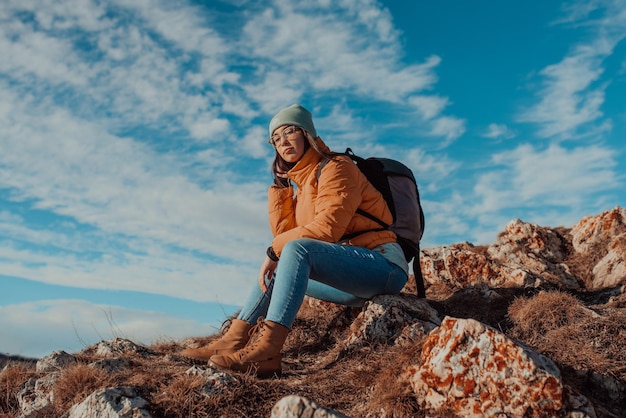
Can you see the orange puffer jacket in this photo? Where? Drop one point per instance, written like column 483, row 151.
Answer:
column 326, row 209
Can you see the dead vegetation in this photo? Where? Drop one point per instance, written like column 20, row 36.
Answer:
column 586, row 341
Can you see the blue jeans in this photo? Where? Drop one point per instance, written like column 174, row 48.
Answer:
column 336, row 273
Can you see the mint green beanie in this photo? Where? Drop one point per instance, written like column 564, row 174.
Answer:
column 294, row 115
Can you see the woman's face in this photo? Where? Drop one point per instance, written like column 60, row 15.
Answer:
column 289, row 143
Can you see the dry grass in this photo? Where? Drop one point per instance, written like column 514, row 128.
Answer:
column 535, row 317
column 12, row 379
column 587, row 345
column 390, row 394
column 362, row 382
column 76, row 383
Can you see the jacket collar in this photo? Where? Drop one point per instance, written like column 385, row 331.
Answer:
column 307, row 163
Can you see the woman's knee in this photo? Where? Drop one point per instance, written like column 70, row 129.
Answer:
column 298, row 245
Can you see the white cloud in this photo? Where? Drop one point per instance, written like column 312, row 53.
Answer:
column 567, row 100
column 552, row 186
column 445, row 219
column 429, row 106
column 498, row 131
column 552, row 177
column 209, row 127
column 571, row 99
column 157, row 270
column 38, row 328
column 431, row 171
column 335, row 55
column 448, row 127
column 150, row 218
column 134, row 131
column 128, row 68
column 183, row 24
column 119, row 185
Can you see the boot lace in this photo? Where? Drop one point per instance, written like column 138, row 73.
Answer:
column 255, row 333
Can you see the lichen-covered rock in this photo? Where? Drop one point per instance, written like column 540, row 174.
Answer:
column 460, row 265
column 384, row 318
column 120, row 402
column 541, row 241
column 537, row 250
column 598, row 230
column 474, row 370
column 293, row 406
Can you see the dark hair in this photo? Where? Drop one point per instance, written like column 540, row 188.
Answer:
column 280, row 166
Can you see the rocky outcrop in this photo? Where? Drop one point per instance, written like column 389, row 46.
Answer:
column 465, row 365
column 460, row 265
column 538, row 251
column 589, row 257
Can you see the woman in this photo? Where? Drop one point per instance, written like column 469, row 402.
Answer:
column 321, row 247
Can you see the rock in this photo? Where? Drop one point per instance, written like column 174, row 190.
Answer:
column 610, row 386
column 55, row 361
column 473, row 370
column 217, row 382
column 36, row 398
column 600, row 241
column 111, row 365
column 537, row 250
column 385, row 318
column 120, row 402
column 611, row 269
column 119, row 346
column 593, row 231
column 460, row 265
column 293, row 406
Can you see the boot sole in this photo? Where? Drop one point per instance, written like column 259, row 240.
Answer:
column 205, row 359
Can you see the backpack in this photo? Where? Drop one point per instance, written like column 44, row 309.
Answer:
column 396, row 182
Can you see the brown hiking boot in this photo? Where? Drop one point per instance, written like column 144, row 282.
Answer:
column 262, row 356
column 235, row 338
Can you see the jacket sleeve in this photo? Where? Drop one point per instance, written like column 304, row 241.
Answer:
column 281, row 209
column 339, row 194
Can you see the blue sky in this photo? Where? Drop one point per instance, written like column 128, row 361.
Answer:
column 133, row 157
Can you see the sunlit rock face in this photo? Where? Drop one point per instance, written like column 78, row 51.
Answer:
column 539, row 251
column 590, row 256
column 471, row 369
column 460, row 265
column 601, row 239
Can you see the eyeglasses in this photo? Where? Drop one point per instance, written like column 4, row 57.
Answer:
column 287, row 133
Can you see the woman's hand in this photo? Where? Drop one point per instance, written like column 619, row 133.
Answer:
column 267, row 270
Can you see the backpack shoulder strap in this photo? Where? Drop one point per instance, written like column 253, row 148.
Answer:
column 326, row 160
column 321, row 166
column 358, row 159
column 419, row 277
